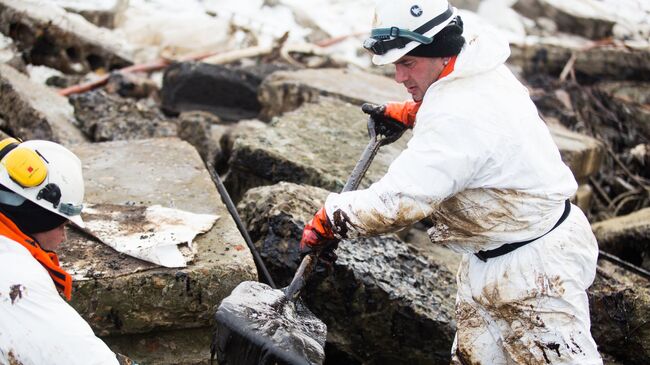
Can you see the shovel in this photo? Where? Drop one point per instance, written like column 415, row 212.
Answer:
column 257, row 324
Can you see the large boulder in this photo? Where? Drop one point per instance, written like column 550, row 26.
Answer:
column 550, row 55
column 317, row 144
column 620, row 307
column 48, row 35
column 108, row 117
column 583, row 154
column 228, row 92
column 33, row 111
column 383, row 303
column 284, row 91
column 627, row 237
column 125, row 298
column 203, row 131
column 571, row 17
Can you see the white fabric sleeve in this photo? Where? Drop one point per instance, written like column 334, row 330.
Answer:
column 439, row 161
column 44, row 328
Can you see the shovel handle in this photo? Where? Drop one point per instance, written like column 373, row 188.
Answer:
column 309, row 261
column 292, row 292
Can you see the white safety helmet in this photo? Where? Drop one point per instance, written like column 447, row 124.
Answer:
column 45, row 173
column 401, row 25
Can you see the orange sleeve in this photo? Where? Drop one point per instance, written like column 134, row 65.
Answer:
column 403, row 112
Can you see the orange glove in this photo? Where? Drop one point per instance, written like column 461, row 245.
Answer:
column 317, row 232
column 403, row 112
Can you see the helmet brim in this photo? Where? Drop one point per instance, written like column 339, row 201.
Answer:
column 76, row 219
column 395, row 54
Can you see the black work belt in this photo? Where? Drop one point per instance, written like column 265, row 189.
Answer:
column 509, row 247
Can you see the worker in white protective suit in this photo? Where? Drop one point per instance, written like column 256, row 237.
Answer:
column 482, row 166
column 41, row 189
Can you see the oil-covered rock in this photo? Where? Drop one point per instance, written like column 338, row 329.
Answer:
column 383, row 303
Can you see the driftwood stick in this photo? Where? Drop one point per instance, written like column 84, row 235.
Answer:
column 237, row 54
column 600, row 191
column 568, row 67
column 625, row 169
column 334, row 40
column 143, row 67
column 624, row 264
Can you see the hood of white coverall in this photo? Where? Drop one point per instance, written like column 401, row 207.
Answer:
column 485, row 49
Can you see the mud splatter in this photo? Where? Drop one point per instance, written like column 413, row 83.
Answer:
column 12, row 359
column 543, row 349
column 16, row 292
column 473, row 214
column 470, row 325
column 375, row 223
column 461, row 357
column 341, row 221
column 548, row 286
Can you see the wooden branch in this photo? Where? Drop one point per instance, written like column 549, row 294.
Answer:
column 143, row 67
column 624, row 264
column 568, row 67
column 238, row 54
column 334, row 40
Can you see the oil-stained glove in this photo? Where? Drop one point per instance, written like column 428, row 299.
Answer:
column 394, row 112
column 317, row 233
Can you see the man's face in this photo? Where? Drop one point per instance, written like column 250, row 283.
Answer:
column 417, row 74
column 50, row 240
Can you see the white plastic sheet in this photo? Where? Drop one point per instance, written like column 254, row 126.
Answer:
column 155, row 234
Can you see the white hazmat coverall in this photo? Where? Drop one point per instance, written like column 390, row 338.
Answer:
column 36, row 325
column 483, row 166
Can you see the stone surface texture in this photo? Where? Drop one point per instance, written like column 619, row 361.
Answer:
column 583, row 154
column 317, row 144
column 33, row 111
column 383, row 303
column 119, row 295
column 550, row 55
column 203, row 131
column 620, row 308
column 105, row 14
column 227, row 92
column 284, row 91
column 108, row 117
column 48, row 35
column 569, row 19
column 627, row 237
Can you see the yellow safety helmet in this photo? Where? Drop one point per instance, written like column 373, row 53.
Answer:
column 45, row 173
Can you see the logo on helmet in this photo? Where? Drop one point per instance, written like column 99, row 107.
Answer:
column 416, row 10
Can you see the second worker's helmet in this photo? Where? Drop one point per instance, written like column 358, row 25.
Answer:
column 44, row 173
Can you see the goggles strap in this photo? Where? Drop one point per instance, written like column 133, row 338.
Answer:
column 401, row 37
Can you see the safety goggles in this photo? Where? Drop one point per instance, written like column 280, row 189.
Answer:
column 383, row 40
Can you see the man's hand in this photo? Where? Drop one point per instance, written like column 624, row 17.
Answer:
column 317, row 232
column 390, row 113
column 318, row 237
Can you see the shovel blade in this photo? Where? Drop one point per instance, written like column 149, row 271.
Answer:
column 257, row 324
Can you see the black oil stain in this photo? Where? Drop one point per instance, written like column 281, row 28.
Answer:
column 114, row 317
column 15, row 292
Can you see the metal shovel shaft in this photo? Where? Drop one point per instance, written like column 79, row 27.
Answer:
column 309, row 261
